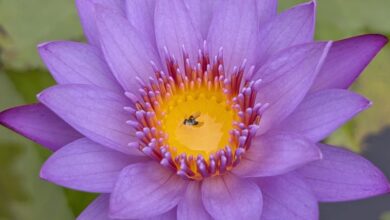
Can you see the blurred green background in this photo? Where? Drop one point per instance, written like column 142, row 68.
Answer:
column 25, row 23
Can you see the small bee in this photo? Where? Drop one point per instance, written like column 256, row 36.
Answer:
column 191, row 121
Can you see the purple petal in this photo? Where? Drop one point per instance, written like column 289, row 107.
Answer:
column 292, row 27
column 97, row 210
column 145, row 190
column 39, row 124
column 276, row 154
column 321, row 113
column 266, row 10
column 86, row 166
column 86, row 10
column 170, row 215
column 140, row 14
column 229, row 197
column 175, row 29
column 287, row 76
column 96, row 113
column 342, row 175
column 127, row 52
column 191, row 206
column 235, row 29
column 347, row 59
column 287, row 197
column 201, row 13
column 77, row 63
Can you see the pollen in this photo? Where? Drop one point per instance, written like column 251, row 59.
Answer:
column 196, row 120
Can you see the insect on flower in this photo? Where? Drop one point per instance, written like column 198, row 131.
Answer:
column 192, row 120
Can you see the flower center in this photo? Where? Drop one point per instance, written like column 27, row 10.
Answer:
column 199, row 121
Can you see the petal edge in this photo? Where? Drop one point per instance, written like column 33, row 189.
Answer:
column 333, row 179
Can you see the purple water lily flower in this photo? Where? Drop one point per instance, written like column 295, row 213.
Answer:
column 189, row 109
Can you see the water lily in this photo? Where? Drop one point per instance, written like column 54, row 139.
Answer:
column 189, row 109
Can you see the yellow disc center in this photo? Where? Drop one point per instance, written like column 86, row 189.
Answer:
column 198, row 122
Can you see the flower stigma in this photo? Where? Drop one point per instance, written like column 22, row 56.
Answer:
column 196, row 120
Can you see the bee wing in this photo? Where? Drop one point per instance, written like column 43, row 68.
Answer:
column 196, row 115
column 199, row 124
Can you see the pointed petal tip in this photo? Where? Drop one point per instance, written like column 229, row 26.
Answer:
column 377, row 41
column 312, row 5
column 43, row 173
column 367, row 104
column 380, row 38
column 39, row 95
column 386, row 185
column 363, row 102
column 42, row 95
column 46, row 45
column 3, row 119
column 43, row 44
column 6, row 118
column 39, row 124
column 47, row 93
